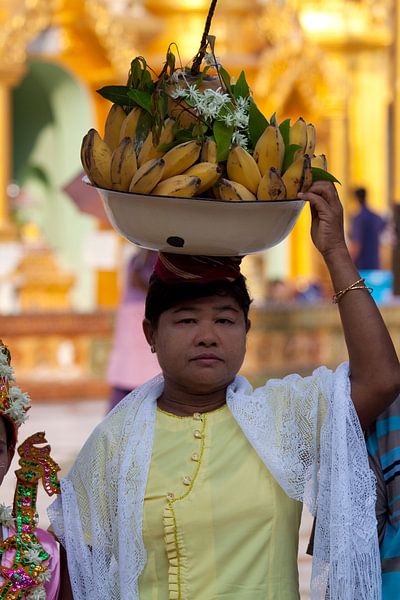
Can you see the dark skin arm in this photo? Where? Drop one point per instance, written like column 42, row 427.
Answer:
column 374, row 366
column 65, row 583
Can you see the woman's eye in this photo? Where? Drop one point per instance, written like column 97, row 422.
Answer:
column 186, row 321
column 225, row 321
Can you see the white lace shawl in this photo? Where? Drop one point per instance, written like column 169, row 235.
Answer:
column 306, row 432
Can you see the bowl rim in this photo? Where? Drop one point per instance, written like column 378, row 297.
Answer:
column 87, row 181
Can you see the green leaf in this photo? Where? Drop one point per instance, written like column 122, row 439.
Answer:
column 284, row 128
column 143, row 129
column 257, row 123
column 226, row 78
column 117, row 94
column 147, row 83
column 321, row 175
column 242, row 87
column 223, row 138
column 273, row 120
column 184, row 135
column 166, row 147
column 290, row 151
column 141, row 98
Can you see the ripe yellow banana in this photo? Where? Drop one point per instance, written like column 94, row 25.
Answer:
column 311, row 139
column 130, row 123
column 298, row 134
column 123, row 165
column 112, row 128
column 242, row 167
column 208, row 173
column 270, row 150
column 293, row 177
column 271, row 186
column 233, row 191
column 149, row 151
column 209, row 151
column 147, row 176
column 179, row 185
column 307, row 179
column 179, row 159
column 320, row 162
column 96, row 159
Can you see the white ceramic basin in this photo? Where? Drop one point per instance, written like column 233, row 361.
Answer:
column 200, row 226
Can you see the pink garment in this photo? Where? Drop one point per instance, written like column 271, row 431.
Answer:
column 131, row 362
column 50, row 545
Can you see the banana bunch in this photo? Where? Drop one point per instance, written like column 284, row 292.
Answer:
column 274, row 171
column 186, row 169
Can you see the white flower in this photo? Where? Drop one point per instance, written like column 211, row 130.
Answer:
column 243, row 103
column 33, row 556
column 37, row 593
column 6, row 517
column 211, row 60
column 240, row 139
column 45, row 576
column 177, row 76
column 6, row 372
column 241, row 118
column 229, row 119
column 17, row 395
column 3, row 357
column 178, row 92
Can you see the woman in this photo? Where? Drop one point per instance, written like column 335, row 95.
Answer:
column 190, row 489
column 131, row 362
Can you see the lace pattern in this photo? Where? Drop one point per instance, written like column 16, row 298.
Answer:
column 306, row 432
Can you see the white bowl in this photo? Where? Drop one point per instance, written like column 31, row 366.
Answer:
column 200, row 226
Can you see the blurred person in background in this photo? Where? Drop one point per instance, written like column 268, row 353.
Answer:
column 365, row 234
column 131, row 362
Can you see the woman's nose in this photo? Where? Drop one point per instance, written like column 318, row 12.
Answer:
column 206, row 335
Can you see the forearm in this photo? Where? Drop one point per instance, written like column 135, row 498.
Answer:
column 374, row 366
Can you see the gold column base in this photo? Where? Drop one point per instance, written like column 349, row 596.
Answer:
column 8, row 232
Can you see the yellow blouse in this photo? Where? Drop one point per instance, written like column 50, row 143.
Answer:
column 216, row 525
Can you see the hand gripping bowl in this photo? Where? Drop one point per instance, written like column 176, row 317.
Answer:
column 199, row 225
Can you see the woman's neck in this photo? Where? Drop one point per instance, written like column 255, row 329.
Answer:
column 184, row 404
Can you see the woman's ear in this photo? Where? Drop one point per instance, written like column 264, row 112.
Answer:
column 148, row 332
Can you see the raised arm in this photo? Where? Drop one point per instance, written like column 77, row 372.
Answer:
column 374, row 366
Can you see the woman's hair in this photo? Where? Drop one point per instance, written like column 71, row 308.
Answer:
column 162, row 296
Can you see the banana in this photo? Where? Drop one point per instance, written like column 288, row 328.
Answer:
column 233, row 191
column 307, row 179
column 96, row 159
column 209, row 151
column 298, row 134
column 270, row 150
column 179, row 185
column 311, row 140
column 147, row 176
column 320, row 162
column 129, row 124
column 208, row 173
column 294, row 176
column 242, row 167
column 123, row 165
column 271, row 186
column 149, row 151
column 179, row 159
column 112, row 128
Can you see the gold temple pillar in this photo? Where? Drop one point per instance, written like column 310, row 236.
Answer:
column 7, row 231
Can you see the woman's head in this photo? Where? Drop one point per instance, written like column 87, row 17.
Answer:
column 198, row 331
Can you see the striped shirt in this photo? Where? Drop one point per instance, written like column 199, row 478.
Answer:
column 383, row 443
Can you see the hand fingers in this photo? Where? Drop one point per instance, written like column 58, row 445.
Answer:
column 327, row 190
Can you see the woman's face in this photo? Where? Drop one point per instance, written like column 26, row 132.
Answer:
column 200, row 343
column 5, row 452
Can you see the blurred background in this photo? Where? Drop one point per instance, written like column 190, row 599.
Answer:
column 336, row 63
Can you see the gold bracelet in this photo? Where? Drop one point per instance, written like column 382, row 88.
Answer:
column 357, row 285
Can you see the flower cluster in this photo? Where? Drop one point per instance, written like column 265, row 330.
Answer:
column 14, row 403
column 215, row 105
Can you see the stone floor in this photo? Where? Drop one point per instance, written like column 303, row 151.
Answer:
column 67, row 425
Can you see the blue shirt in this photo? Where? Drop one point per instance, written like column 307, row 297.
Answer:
column 366, row 229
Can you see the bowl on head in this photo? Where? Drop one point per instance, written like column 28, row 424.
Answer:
column 200, row 226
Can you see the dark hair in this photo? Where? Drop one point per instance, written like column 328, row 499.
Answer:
column 162, row 296
column 10, row 432
column 361, row 194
